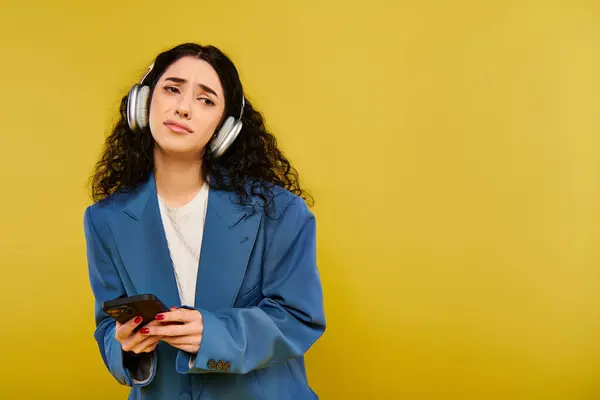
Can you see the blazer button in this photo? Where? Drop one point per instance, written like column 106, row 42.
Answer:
column 220, row 365
column 185, row 396
column 226, row 366
column 211, row 364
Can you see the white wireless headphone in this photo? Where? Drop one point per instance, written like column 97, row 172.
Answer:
column 137, row 117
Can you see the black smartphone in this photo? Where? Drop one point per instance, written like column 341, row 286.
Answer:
column 125, row 308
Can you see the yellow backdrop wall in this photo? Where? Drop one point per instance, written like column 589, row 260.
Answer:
column 452, row 148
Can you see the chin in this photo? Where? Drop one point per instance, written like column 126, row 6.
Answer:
column 177, row 144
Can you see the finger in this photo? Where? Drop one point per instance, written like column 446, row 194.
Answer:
column 178, row 340
column 132, row 342
column 151, row 348
column 179, row 315
column 185, row 345
column 153, row 323
column 123, row 331
column 145, row 330
column 146, row 345
column 151, row 345
column 168, row 330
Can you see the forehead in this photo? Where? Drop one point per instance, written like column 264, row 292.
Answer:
column 195, row 71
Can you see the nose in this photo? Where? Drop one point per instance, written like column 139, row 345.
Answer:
column 183, row 113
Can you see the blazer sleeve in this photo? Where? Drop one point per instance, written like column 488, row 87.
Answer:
column 127, row 368
column 288, row 320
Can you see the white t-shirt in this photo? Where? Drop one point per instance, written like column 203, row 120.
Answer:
column 184, row 228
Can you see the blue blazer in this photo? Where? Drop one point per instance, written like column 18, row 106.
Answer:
column 258, row 291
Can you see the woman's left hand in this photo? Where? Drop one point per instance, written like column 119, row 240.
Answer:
column 181, row 328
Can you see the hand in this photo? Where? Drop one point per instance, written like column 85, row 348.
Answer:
column 183, row 329
column 136, row 342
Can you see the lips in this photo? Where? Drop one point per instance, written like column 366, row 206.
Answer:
column 178, row 127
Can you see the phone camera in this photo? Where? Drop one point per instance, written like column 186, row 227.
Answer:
column 126, row 310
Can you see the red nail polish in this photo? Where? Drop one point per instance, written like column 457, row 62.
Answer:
column 137, row 320
column 145, row 331
column 174, row 308
column 159, row 317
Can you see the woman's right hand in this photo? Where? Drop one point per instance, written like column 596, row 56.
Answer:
column 136, row 342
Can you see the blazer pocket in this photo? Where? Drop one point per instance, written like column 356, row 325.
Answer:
column 250, row 298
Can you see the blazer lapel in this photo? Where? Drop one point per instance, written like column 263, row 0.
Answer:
column 142, row 243
column 229, row 234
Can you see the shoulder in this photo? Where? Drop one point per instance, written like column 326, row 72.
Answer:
column 96, row 214
column 94, row 219
column 118, row 200
column 287, row 221
column 99, row 208
column 282, row 204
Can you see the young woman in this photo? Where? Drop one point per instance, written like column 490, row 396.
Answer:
column 195, row 204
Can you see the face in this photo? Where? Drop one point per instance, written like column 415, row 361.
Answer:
column 186, row 107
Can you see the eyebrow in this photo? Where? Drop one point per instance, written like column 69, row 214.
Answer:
column 184, row 81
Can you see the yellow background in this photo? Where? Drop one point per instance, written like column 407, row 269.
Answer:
column 452, row 147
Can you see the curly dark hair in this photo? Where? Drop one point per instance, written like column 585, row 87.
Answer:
column 250, row 167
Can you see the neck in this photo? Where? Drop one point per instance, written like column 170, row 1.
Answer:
column 178, row 179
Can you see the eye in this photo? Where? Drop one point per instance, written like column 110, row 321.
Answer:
column 206, row 101
column 171, row 89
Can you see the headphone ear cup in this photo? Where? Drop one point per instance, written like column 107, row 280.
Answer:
column 221, row 136
column 227, row 139
column 235, row 131
column 142, row 107
column 131, row 107
column 137, row 107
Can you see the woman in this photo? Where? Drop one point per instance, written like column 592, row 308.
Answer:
column 195, row 204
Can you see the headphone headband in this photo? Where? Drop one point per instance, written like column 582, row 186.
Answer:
column 243, row 106
column 147, row 73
